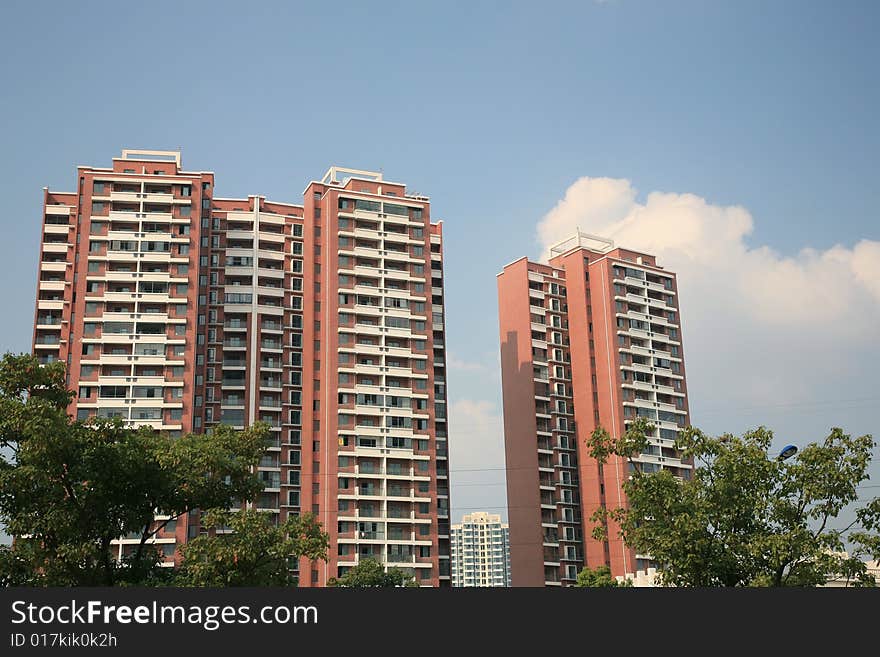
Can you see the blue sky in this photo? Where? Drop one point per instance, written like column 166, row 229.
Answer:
column 496, row 110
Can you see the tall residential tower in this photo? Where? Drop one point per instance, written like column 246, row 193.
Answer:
column 179, row 310
column 590, row 339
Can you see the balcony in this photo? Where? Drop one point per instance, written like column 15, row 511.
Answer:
column 375, row 536
column 401, row 558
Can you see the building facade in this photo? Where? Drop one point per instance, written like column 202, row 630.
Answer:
column 177, row 309
column 592, row 338
column 480, row 551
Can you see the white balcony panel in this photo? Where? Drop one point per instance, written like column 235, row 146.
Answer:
column 128, row 197
column 53, row 266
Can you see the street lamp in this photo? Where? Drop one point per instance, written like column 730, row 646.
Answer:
column 787, row 452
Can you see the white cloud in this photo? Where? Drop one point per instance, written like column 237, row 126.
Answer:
column 477, row 428
column 758, row 326
column 476, row 459
column 470, row 377
column 459, row 365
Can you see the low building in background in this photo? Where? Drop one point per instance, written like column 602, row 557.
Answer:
column 641, row 578
column 842, row 582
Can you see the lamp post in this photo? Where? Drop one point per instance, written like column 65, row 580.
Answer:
column 787, row 452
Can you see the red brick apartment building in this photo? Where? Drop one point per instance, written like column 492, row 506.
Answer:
column 178, row 309
column 591, row 338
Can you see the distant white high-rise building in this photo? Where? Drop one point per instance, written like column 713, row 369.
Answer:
column 481, row 551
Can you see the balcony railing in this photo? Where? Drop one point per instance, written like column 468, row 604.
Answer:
column 401, row 558
column 270, row 481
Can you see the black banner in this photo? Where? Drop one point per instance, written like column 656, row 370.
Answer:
column 406, row 620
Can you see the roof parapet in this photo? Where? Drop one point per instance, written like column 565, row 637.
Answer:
column 332, row 175
column 157, row 156
column 582, row 240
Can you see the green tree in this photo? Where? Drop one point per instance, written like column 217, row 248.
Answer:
column 599, row 578
column 245, row 548
column 370, row 573
column 69, row 488
column 744, row 519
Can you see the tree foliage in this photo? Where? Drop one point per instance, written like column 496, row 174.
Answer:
column 599, row 578
column 245, row 548
column 744, row 519
column 370, row 573
column 71, row 487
